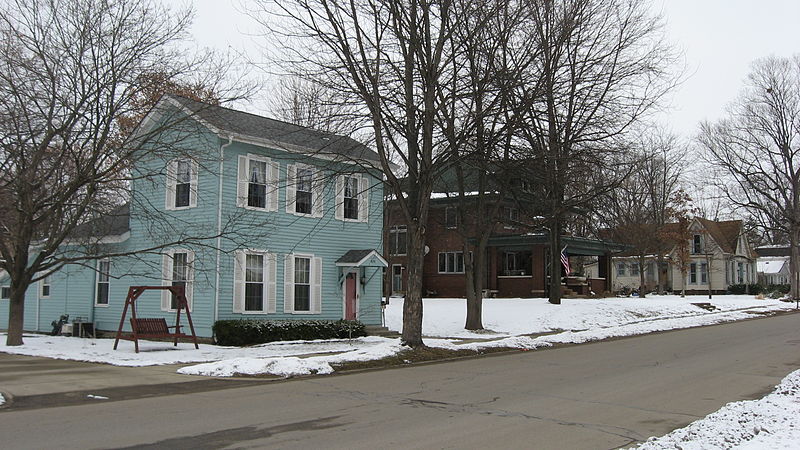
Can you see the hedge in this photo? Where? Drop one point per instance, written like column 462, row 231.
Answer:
column 752, row 289
column 250, row 332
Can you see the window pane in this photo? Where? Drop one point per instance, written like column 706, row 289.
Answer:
column 401, row 242
column 351, row 208
column 5, row 292
column 180, row 267
column 302, row 267
column 102, row 293
column 302, row 297
column 442, row 262
column 184, row 172
column 104, row 269
column 451, row 261
column 257, row 187
column 459, row 262
column 174, row 300
column 182, row 194
column 254, row 296
column 254, row 268
column 304, row 177
column 303, row 202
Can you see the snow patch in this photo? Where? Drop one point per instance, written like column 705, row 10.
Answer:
column 772, row 422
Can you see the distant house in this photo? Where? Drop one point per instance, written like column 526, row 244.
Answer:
column 773, row 265
column 719, row 256
column 315, row 202
column 517, row 259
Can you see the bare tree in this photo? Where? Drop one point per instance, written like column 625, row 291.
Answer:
column 757, row 147
column 72, row 78
column 390, row 58
column 638, row 211
column 602, row 68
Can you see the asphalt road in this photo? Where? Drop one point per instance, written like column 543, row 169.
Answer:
column 601, row 395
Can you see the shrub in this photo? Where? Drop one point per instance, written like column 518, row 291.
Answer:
column 753, row 289
column 250, row 332
column 782, row 288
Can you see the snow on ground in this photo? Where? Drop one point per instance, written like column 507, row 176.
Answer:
column 772, row 422
column 445, row 317
column 510, row 322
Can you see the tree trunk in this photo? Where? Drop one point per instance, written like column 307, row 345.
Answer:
column 475, row 285
column 683, row 283
column 555, row 262
column 794, row 261
column 642, row 281
column 708, row 274
column 16, row 315
column 412, row 305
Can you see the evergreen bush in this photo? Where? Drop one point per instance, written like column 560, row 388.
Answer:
column 249, row 332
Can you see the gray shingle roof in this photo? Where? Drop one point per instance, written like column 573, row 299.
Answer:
column 114, row 224
column 354, row 256
column 241, row 123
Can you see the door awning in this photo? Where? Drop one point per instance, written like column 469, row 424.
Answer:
column 362, row 258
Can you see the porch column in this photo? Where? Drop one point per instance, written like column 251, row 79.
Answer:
column 604, row 270
column 492, row 256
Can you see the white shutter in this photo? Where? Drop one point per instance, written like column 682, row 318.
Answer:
column 339, row 198
column 238, row 281
column 316, row 286
column 166, row 279
column 241, row 186
column 291, row 189
column 363, row 200
column 193, row 185
column 169, row 185
column 189, row 289
column 273, row 185
column 318, row 194
column 288, row 284
column 271, row 273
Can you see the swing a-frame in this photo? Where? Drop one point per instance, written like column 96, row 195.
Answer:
column 155, row 328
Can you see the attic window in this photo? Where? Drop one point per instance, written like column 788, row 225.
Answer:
column 697, row 244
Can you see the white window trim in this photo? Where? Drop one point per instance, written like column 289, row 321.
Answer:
column 363, row 197
column 97, row 282
column 5, row 286
column 172, row 181
column 315, row 281
column 272, row 176
column 46, row 281
column 317, row 190
column 270, row 280
column 167, row 269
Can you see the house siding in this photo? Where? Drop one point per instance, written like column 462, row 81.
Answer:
column 277, row 232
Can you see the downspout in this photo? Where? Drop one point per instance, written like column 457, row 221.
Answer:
column 219, row 228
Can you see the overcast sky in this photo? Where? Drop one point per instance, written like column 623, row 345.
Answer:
column 719, row 40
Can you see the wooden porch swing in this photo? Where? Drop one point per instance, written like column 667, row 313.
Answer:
column 155, row 327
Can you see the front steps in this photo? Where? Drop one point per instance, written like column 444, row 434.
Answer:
column 375, row 330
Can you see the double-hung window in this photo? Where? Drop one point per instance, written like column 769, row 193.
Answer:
column 397, row 241
column 740, row 273
column 181, row 184
column 257, row 183
column 635, row 269
column 451, row 262
column 103, row 282
column 302, row 284
column 511, row 217
column 352, row 198
column 620, row 269
column 44, row 287
column 177, row 270
column 703, row 273
column 5, row 292
column 693, row 273
column 451, row 217
column 254, row 282
column 304, row 191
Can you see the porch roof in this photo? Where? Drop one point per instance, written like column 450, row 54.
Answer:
column 362, row 258
column 576, row 246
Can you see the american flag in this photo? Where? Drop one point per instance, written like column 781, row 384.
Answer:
column 565, row 260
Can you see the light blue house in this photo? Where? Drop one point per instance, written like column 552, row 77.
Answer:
column 257, row 218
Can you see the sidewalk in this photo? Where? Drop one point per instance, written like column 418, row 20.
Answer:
column 31, row 382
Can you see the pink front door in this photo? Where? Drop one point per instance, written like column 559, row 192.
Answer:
column 350, row 297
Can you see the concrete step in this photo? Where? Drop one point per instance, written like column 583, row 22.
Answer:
column 375, row 330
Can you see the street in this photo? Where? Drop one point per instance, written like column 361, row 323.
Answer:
column 601, row 395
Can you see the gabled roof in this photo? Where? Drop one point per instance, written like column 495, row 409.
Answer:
column 725, row 233
column 358, row 258
column 227, row 121
column 116, row 223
